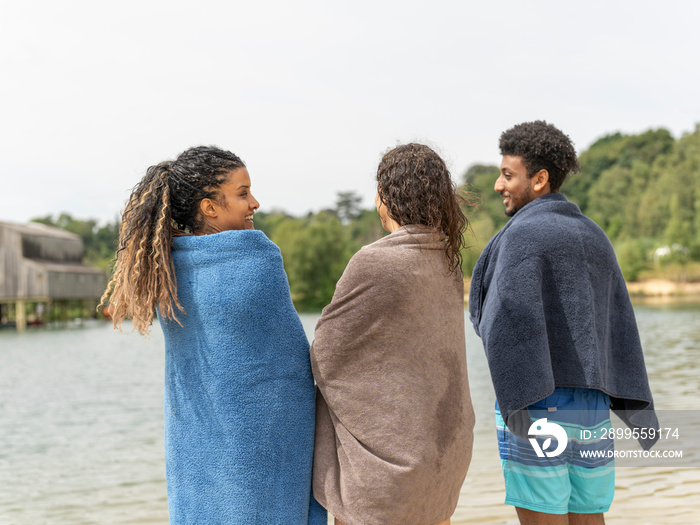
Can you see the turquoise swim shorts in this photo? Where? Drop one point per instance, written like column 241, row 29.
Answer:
column 567, row 463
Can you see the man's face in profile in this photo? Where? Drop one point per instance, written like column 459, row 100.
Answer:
column 514, row 185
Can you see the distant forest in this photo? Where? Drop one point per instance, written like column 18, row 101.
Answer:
column 643, row 190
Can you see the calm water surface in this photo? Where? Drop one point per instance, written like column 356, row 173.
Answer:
column 81, row 431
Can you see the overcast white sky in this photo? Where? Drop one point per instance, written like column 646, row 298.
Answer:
column 310, row 93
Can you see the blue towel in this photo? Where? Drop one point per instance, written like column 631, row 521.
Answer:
column 239, row 395
column 552, row 309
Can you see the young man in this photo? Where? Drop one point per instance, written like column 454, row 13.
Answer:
column 551, row 307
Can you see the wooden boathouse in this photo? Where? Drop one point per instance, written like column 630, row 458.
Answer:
column 41, row 269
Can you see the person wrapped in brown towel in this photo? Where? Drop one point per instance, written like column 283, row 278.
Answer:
column 394, row 418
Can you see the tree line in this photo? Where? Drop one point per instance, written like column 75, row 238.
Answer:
column 643, row 190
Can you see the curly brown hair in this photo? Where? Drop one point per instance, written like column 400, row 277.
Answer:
column 165, row 203
column 414, row 184
column 541, row 146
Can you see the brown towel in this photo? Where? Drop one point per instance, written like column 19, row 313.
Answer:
column 394, row 419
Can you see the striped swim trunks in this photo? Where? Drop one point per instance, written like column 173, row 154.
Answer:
column 574, row 472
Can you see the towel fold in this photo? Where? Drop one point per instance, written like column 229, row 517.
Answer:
column 239, row 395
column 551, row 306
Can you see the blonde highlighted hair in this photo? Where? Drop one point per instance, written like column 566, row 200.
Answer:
column 164, row 204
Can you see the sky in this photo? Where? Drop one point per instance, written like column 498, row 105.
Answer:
column 310, row 94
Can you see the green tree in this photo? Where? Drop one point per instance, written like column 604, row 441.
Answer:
column 695, row 245
column 364, row 229
column 269, row 222
column 347, row 206
column 614, row 199
column 662, row 215
column 99, row 242
column 315, row 254
column 633, row 257
column 479, row 181
column 612, row 150
column 478, row 171
column 481, row 229
column 679, row 228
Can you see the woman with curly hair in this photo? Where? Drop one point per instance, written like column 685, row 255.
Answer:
column 394, row 424
column 239, row 396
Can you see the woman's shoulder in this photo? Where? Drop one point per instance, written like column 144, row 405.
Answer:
column 226, row 240
column 372, row 252
column 241, row 248
column 386, row 255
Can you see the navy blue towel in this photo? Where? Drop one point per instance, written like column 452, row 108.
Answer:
column 552, row 309
column 239, row 395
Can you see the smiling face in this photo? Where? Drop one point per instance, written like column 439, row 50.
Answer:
column 516, row 188
column 235, row 205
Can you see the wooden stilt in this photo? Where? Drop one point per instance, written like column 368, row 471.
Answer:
column 20, row 316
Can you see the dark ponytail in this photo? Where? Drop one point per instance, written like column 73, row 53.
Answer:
column 164, row 203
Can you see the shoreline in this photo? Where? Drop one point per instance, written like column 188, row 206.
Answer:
column 663, row 288
column 648, row 290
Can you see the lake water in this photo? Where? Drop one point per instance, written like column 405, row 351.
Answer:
column 81, row 431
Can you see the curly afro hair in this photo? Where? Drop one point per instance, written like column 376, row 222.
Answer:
column 542, row 147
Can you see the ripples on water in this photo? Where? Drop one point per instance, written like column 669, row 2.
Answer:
column 81, row 431
column 670, row 336
column 81, row 428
